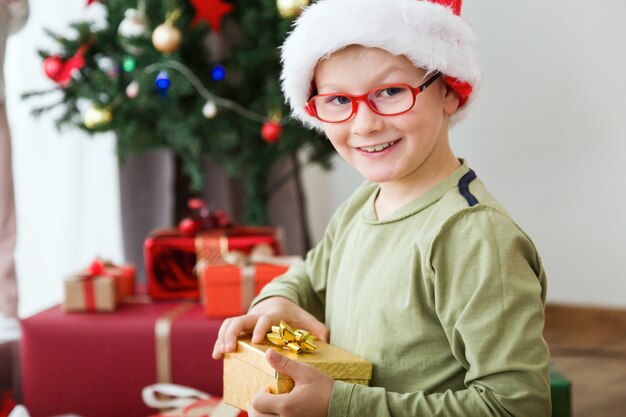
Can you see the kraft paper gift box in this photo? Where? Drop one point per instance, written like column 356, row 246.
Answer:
column 246, row 371
column 96, row 365
column 101, row 287
column 172, row 256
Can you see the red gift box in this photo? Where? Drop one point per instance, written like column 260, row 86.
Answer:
column 228, row 290
column 97, row 365
column 171, row 256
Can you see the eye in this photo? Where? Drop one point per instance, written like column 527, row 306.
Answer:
column 391, row 91
column 338, row 100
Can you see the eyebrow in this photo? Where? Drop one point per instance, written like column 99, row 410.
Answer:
column 382, row 78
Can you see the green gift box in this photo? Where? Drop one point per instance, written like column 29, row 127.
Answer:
column 560, row 388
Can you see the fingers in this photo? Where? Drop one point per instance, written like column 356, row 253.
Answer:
column 229, row 332
column 265, row 404
column 262, row 327
column 318, row 329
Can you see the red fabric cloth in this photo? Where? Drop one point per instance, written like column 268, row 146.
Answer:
column 6, row 403
column 95, row 365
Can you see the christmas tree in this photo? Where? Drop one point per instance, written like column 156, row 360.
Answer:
column 200, row 77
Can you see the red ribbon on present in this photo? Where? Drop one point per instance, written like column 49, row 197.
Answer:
column 95, row 269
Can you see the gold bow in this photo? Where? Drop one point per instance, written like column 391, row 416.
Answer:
column 298, row 341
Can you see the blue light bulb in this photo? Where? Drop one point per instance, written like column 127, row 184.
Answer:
column 162, row 80
column 218, row 73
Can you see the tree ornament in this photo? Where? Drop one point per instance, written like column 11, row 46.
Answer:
column 132, row 89
column 212, row 11
column 129, row 64
column 52, row 67
column 97, row 116
column 61, row 71
column 209, row 110
column 271, row 131
column 162, row 81
column 134, row 27
column 218, row 73
column 166, row 37
column 107, row 65
column 290, row 8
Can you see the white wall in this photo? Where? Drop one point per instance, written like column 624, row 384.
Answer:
column 66, row 183
column 547, row 136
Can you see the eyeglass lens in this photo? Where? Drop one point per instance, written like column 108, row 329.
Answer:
column 386, row 100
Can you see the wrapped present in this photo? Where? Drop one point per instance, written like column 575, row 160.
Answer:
column 228, row 286
column 246, row 371
column 97, row 365
column 172, row 255
column 101, row 287
column 180, row 401
column 560, row 389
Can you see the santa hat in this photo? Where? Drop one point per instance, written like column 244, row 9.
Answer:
column 430, row 33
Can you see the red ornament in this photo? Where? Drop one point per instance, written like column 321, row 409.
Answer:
column 188, row 226
column 271, row 131
column 89, row 2
column 61, row 71
column 212, row 11
column 52, row 66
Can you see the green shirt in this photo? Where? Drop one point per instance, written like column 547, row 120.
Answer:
column 445, row 297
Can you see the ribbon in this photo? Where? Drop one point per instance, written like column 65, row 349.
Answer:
column 260, row 254
column 96, row 269
column 162, row 331
column 298, row 341
column 186, row 400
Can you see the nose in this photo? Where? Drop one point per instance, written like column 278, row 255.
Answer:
column 365, row 121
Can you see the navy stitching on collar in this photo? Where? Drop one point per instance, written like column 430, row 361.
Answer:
column 464, row 183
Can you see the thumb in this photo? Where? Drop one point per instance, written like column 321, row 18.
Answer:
column 296, row 370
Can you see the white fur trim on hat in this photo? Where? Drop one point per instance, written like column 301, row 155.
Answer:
column 428, row 34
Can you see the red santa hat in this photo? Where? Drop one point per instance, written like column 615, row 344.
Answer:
column 430, row 33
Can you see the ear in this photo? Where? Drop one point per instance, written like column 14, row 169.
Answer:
column 451, row 101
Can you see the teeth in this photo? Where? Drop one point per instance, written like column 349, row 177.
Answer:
column 377, row 147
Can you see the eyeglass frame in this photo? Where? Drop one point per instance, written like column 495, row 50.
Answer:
column 309, row 107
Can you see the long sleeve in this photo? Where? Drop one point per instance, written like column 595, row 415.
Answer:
column 488, row 293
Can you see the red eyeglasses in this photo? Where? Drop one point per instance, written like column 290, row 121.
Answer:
column 386, row 100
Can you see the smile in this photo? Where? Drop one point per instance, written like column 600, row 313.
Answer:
column 377, row 148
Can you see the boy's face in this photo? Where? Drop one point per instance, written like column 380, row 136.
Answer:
column 415, row 143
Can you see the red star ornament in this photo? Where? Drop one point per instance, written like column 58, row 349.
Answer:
column 212, row 11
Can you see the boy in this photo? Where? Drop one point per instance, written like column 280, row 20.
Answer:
column 421, row 271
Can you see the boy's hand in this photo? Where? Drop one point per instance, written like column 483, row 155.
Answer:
column 260, row 319
column 309, row 398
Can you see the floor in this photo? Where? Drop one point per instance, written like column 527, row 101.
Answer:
column 588, row 345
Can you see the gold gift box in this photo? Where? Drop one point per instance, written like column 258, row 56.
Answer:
column 246, row 371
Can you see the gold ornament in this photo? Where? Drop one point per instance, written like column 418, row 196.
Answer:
column 166, row 38
column 290, row 8
column 97, row 116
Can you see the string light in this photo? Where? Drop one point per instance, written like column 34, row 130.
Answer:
column 162, row 80
column 129, row 64
column 218, row 73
